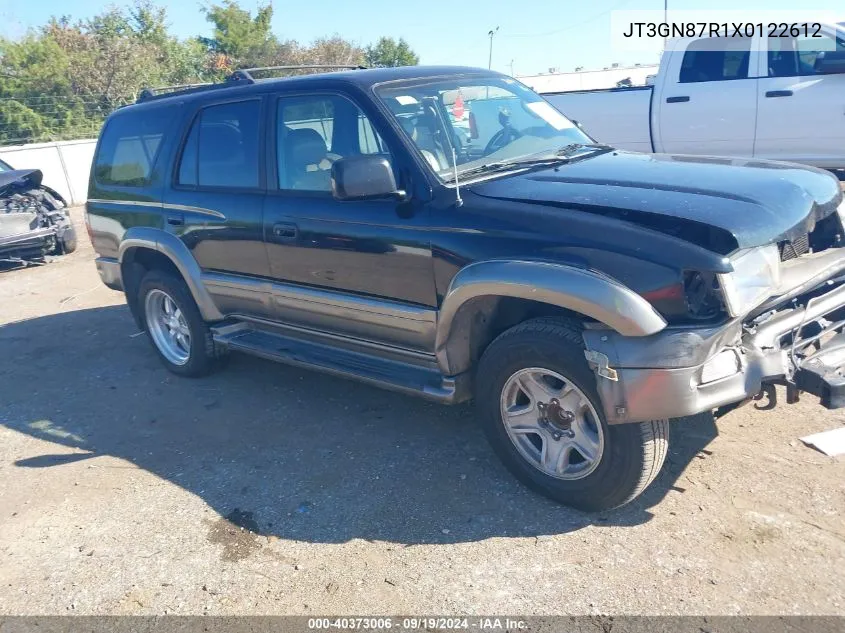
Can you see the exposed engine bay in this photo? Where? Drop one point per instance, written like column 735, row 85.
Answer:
column 34, row 222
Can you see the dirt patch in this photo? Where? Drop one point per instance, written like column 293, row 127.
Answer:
column 237, row 532
column 118, row 482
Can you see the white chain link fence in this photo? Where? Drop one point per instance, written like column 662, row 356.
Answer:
column 34, row 119
column 57, row 135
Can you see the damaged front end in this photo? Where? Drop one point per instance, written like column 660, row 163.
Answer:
column 795, row 338
column 34, row 221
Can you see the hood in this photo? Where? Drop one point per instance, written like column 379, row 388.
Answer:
column 721, row 204
column 32, row 178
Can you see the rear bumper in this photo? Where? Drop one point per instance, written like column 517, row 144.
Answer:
column 109, row 270
column 684, row 371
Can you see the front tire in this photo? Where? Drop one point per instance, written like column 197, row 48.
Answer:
column 175, row 326
column 541, row 412
column 66, row 241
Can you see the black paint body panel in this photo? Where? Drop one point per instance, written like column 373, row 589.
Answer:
column 640, row 219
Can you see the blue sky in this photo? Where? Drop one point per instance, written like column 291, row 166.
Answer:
column 534, row 35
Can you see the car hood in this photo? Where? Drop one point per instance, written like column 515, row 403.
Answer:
column 32, row 177
column 722, row 204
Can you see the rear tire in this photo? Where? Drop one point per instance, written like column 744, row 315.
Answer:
column 573, row 456
column 175, row 326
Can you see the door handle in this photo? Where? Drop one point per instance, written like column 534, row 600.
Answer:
column 779, row 93
column 683, row 99
column 176, row 219
column 284, row 231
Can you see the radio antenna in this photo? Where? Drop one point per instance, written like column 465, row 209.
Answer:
column 432, row 101
column 458, row 201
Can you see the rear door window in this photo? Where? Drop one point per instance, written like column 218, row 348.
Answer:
column 716, row 59
column 222, row 148
column 129, row 146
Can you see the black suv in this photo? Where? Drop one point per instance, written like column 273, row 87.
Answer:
column 447, row 233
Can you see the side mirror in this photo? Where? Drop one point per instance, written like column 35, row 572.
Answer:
column 363, row 178
column 830, row 63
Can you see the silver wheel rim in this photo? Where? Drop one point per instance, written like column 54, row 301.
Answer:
column 552, row 423
column 168, row 327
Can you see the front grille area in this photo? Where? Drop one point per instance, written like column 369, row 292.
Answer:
column 797, row 247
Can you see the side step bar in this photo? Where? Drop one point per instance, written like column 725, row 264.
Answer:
column 391, row 374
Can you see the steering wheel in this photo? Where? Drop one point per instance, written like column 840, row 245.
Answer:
column 508, row 133
column 501, row 138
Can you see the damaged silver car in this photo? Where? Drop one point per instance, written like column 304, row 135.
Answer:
column 34, row 220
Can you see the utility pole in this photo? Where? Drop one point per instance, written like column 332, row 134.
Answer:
column 511, row 68
column 491, row 33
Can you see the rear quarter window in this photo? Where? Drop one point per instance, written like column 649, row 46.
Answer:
column 130, row 145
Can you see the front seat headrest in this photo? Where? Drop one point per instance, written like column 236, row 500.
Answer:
column 305, row 147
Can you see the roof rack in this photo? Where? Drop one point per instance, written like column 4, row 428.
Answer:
column 243, row 75
column 148, row 93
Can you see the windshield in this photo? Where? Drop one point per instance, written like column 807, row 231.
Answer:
column 489, row 119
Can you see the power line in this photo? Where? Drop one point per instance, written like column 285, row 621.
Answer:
column 571, row 26
column 59, row 117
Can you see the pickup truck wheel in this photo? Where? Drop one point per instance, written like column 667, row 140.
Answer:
column 174, row 324
column 542, row 414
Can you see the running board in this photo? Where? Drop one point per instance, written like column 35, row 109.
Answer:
column 382, row 372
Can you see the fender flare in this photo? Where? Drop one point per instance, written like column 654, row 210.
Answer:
column 584, row 291
column 175, row 250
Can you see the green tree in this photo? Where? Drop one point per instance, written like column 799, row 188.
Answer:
column 148, row 23
column 387, row 52
column 35, row 90
column 60, row 81
column 334, row 50
column 243, row 39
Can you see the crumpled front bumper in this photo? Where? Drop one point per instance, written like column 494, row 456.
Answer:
column 20, row 238
column 32, row 243
column 682, row 371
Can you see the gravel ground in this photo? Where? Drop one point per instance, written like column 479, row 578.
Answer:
column 270, row 490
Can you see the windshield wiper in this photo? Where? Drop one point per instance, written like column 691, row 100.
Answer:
column 565, row 154
column 510, row 165
column 574, row 148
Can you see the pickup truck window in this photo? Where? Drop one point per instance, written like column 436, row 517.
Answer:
column 222, row 147
column 129, row 146
column 313, row 132
column 704, row 61
column 796, row 56
column 484, row 119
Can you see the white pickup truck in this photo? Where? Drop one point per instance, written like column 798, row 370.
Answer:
column 763, row 97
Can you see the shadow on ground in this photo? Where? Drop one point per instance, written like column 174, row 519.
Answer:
column 283, row 451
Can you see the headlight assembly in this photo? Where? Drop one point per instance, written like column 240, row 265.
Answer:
column 755, row 277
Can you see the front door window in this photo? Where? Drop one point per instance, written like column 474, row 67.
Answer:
column 315, row 131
